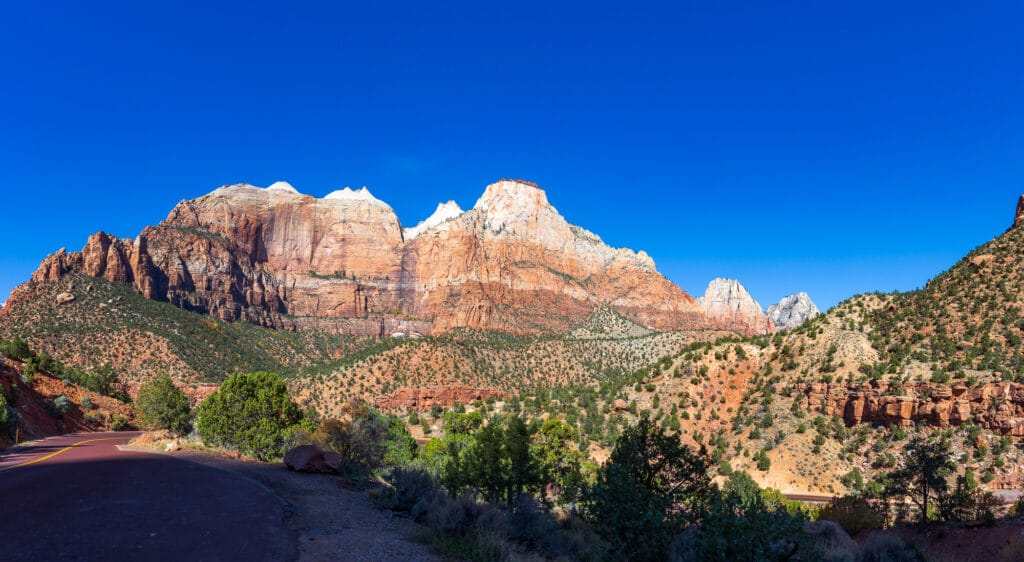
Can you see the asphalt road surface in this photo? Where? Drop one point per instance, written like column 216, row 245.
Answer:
column 77, row 497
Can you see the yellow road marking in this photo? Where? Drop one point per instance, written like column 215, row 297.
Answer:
column 55, row 453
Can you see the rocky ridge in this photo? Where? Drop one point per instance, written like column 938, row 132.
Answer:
column 998, row 407
column 343, row 263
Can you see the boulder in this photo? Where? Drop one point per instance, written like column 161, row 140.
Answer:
column 65, row 298
column 829, row 541
column 309, row 458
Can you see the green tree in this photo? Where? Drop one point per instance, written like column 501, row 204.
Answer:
column 250, row 412
column 496, row 461
column 162, row 405
column 742, row 487
column 650, row 490
column 400, row 448
column 924, row 474
column 739, row 526
column 455, row 423
column 558, row 461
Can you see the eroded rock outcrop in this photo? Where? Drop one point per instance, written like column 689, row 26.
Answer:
column 996, row 406
column 278, row 258
column 792, row 311
column 728, row 305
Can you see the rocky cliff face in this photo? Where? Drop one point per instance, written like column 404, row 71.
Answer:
column 282, row 259
column 995, row 406
column 792, row 311
column 728, row 304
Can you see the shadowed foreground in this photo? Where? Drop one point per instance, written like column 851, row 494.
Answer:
column 94, row 502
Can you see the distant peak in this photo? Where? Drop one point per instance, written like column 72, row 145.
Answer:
column 282, row 186
column 727, row 294
column 792, row 311
column 348, row 194
column 443, row 213
column 1019, row 217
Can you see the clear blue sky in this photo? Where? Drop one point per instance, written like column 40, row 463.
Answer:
column 833, row 147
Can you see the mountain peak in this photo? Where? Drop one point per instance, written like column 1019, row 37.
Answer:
column 792, row 311
column 728, row 302
column 348, row 194
column 282, row 186
column 1019, row 217
column 509, row 203
column 443, row 213
column 512, row 194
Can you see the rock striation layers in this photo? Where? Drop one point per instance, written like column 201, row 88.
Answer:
column 728, row 305
column 792, row 311
column 281, row 259
column 995, row 406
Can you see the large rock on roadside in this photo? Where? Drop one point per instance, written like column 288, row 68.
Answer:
column 309, row 458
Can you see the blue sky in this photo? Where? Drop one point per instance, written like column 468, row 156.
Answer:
column 833, row 147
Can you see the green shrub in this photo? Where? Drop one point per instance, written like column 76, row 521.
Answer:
column 87, row 403
column 883, row 547
column 119, row 422
column 61, row 405
column 853, row 513
column 409, row 490
column 162, row 405
column 16, row 349
column 251, row 413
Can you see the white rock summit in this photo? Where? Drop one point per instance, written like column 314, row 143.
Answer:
column 443, row 213
column 792, row 311
column 729, row 303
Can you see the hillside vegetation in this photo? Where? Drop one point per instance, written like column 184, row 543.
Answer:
column 111, row 324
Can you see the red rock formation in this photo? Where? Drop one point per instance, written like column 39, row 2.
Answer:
column 424, row 398
column 996, row 406
column 280, row 259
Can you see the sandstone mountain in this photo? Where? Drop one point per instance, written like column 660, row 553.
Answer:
column 729, row 305
column 792, row 311
column 344, row 264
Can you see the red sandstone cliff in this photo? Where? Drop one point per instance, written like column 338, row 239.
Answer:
column 996, row 406
column 278, row 258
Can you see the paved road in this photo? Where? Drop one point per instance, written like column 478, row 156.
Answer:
column 809, row 498
column 77, row 497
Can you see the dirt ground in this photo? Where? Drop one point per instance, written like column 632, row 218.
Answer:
column 329, row 521
column 1003, row 542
